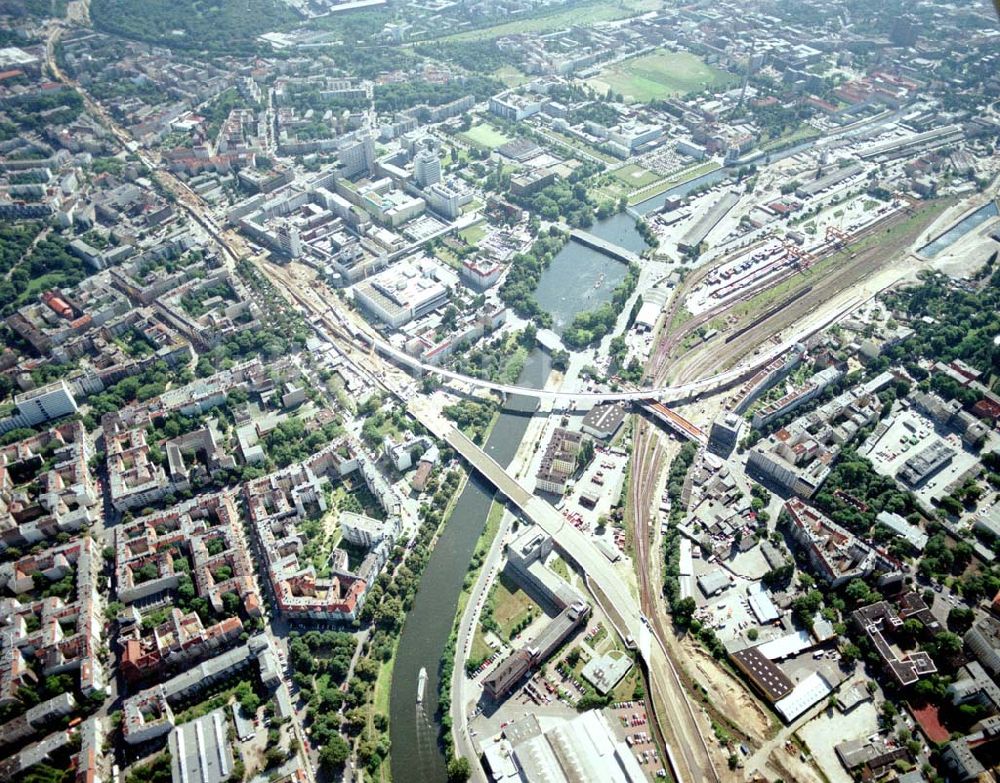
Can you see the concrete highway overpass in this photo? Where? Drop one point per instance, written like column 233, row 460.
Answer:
column 659, row 393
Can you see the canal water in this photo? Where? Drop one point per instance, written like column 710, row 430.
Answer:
column 960, row 229
column 416, row 756
column 562, row 290
column 578, row 279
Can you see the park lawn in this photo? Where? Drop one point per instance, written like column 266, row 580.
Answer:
column 446, row 255
column 625, row 689
column 559, row 567
column 802, row 133
column 581, row 14
column 579, row 146
column 383, row 684
column 607, row 190
column 461, row 152
column 678, row 178
column 380, row 705
column 510, row 76
column 635, row 176
column 473, row 206
column 37, row 285
column 514, row 364
column 511, row 605
column 485, row 135
column 480, row 650
column 659, row 75
column 473, row 233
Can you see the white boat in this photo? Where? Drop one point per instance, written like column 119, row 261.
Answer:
column 421, row 684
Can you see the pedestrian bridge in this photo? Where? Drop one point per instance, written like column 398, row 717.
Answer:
column 603, row 246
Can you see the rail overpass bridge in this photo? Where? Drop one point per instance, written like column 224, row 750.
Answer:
column 675, row 422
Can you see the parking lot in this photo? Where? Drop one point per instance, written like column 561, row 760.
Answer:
column 728, row 612
column 908, row 434
column 832, row 727
column 602, row 481
column 630, row 722
column 535, row 697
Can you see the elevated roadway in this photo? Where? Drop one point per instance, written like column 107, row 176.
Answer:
column 711, row 383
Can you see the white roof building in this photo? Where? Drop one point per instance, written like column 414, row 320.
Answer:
column 786, row 646
column 914, row 536
column 811, row 690
column 407, row 290
column 583, row 748
column 761, row 604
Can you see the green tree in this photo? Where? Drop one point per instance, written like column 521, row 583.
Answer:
column 459, row 770
column 334, row 754
column 683, row 610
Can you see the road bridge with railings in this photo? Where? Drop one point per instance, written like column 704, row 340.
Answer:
column 711, row 383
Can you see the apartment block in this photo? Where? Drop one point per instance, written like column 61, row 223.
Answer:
column 278, row 503
column 207, row 532
column 34, row 407
column 559, row 461
column 61, row 631
column 799, row 457
column 835, row 554
column 46, row 487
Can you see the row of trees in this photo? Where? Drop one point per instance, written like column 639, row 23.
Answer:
column 518, row 290
column 396, row 96
column 676, row 477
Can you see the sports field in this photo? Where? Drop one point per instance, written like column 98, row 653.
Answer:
column 485, row 135
column 659, row 75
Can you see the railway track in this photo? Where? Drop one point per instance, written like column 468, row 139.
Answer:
column 681, row 733
column 669, row 342
column 643, row 478
column 857, row 266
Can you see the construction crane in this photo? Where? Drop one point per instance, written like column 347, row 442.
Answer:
column 746, row 80
column 802, row 258
column 836, row 236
